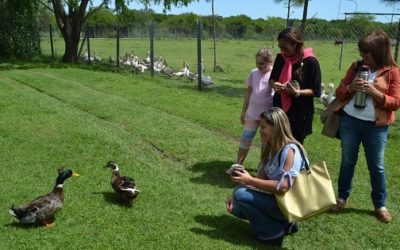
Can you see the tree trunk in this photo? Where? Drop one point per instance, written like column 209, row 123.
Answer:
column 70, row 26
column 304, row 20
column 71, row 46
column 288, row 13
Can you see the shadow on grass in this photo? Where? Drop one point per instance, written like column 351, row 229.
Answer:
column 227, row 228
column 354, row 211
column 48, row 61
column 17, row 224
column 213, row 172
column 229, row 91
column 219, row 89
column 113, row 198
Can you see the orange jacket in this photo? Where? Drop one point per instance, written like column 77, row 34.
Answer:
column 387, row 81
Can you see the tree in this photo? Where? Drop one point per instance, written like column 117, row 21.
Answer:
column 213, row 33
column 71, row 16
column 290, row 4
column 237, row 25
column 391, row 2
column 19, row 29
column 304, row 19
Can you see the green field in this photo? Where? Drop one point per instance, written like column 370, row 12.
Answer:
column 175, row 141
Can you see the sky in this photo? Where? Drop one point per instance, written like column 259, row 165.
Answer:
column 322, row 9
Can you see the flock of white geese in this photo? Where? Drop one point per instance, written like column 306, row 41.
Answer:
column 159, row 66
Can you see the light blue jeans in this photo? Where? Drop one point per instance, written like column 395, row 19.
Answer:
column 354, row 131
column 261, row 210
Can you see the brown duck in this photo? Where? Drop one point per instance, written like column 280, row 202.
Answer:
column 124, row 187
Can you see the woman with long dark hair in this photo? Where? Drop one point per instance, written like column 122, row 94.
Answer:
column 296, row 79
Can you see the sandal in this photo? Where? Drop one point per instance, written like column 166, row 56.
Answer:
column 291, row 229
column 340, row 203
column 383, row 214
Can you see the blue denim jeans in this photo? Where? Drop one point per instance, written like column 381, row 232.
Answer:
column 261, row 210
column 354, row 131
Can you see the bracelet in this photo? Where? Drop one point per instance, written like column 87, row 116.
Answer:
column 297, row 93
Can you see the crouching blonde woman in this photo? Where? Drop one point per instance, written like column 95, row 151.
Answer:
column 253, row 199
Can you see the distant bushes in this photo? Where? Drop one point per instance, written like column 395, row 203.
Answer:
column 19, row 36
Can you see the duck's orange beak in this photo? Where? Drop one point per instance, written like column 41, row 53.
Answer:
column 75, row 174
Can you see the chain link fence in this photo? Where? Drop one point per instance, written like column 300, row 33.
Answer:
column 335, row 46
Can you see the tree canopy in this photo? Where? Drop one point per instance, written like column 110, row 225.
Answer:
column 19, row 29
column 71, row 15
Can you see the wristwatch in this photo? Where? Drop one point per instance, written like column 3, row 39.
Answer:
column 297, row 93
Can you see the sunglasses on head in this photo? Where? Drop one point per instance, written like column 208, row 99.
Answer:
column 267, row 116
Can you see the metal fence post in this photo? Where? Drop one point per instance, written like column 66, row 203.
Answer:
column 341, row 55
column 199, row 70
column 117, row 45
column 88, row 43
column 396, row 49
column 151, row 27
column 51, row 40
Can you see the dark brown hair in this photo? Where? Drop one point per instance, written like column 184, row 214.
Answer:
column 378, row 44
column 294, row 37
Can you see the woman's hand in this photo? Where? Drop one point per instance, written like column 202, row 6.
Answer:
column 229, row 205
column 242, row 178
column 277, row 86
column 291, row 90
column 360, row 85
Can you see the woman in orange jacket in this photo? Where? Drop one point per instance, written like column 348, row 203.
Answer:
column 368, row 123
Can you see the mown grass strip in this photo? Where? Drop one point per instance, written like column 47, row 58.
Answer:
column 47, row 119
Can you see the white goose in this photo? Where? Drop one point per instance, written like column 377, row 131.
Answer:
column 206, row 80
column 147, row 59
column 184, row 71
column 138, row 66
column 96, row 57
column 327, row 98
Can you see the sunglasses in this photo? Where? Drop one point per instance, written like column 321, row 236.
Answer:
column 364, row 51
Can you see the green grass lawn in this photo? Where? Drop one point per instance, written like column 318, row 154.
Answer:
column 175, row 141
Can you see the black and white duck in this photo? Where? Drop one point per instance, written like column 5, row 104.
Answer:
column 43, row 208
column 124, row 186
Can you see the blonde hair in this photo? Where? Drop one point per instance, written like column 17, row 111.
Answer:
column 266, row 54
column 281, row 133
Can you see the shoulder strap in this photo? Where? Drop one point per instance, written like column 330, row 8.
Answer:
column 306, row 166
